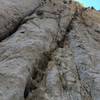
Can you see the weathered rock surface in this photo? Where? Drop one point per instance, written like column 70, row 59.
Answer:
column 54, row 55
column 12, row 12
column 28, row 49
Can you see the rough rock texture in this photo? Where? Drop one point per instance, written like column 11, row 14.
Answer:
column 27, row 49
column 12, row 12
column 54, row 55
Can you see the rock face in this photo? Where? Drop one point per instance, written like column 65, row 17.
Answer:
column 53, row 55
column 12, row 12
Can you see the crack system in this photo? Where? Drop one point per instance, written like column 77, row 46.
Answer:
column 40, row 71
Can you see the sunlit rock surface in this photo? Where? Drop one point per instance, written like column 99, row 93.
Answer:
column 53, row 55
column 12, row 12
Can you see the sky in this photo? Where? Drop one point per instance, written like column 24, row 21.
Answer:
column 89, row 3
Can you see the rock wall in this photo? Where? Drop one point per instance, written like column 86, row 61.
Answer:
column 53, row 55
column 11, row 14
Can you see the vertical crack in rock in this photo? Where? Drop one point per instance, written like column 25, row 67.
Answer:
column 53, row 55
column 38, row 73
column 81, row 49
column 67, row 73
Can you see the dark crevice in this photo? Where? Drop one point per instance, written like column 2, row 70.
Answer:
column 16, row 26
column 39, row 71
column 68, row 29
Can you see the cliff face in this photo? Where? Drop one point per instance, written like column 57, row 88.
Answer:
column 49, row 50
column 12, row 12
